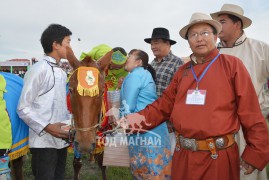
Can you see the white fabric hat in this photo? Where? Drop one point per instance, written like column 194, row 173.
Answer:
column 198, row 18
column 233, row 10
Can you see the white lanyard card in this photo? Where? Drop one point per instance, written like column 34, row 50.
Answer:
column 196, row 97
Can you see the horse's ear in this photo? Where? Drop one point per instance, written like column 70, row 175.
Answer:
column 87, row 61
column 70, row 56
column 104, row 61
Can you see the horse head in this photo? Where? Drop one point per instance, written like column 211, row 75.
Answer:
column 86, row 86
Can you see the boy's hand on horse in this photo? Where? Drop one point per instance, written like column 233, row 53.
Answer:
column 56, row 130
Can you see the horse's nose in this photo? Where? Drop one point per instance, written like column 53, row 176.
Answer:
column 92, row 147
column 83, row 148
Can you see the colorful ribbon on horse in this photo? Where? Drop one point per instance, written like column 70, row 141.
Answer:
column 100, row 141
column 20, row 131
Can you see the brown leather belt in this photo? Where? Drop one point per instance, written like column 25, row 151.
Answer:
column 211, row 144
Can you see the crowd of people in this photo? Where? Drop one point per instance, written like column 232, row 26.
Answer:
column 211, row 112
column 19, row 72
column 212, row 98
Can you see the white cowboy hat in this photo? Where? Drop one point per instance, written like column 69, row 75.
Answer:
column 198, row 18
column 233, row 10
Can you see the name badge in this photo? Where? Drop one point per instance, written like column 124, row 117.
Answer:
column 196, row 97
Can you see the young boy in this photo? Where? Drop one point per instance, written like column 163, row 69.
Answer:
column 43, row 107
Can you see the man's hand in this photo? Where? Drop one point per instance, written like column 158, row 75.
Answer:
column 120, row 82
column 249, row 168
column 123, row 123
column 56, row 130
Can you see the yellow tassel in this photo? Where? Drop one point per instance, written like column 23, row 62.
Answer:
column 21, row 152
column 93, row 91
column 98, row 150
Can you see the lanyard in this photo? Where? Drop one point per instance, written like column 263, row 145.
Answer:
column 206, row 69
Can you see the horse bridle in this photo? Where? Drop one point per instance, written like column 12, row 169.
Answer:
column 73, row 129
column 85, row 129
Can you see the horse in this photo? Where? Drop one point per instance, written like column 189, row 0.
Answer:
column 86, row 104
column 19, row 129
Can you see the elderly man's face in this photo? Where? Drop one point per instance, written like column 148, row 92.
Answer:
column 160, row 48
column 201, row 39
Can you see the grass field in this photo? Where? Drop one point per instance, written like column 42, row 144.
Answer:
column 89, row 171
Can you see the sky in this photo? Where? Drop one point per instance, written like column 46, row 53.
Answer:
column 118, row 23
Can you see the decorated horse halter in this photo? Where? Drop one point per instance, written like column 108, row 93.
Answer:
column 86, row 129
column 87, row 86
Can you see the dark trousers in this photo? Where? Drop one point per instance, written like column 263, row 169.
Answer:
column 48, row 163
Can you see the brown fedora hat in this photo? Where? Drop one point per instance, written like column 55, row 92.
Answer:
column 160, row 33
column 198, row 18
column 233, row 10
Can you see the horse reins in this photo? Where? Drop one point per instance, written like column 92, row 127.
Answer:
column 85, row 129
column 73, row 129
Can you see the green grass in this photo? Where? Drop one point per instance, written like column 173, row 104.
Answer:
column 89, row 171
column 267, row 170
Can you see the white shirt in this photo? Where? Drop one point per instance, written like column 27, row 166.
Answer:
column 43, row 101
column 255, row 56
